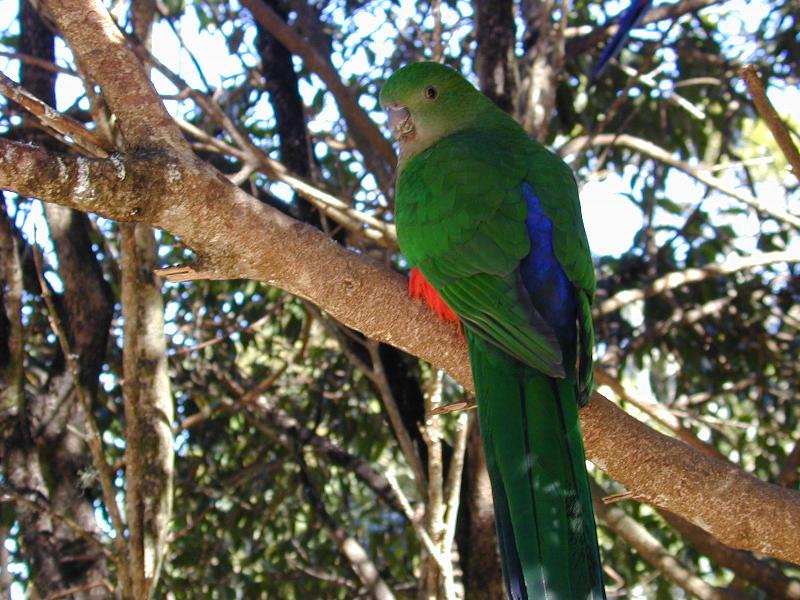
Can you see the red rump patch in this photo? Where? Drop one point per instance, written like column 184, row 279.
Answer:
column 418, row 287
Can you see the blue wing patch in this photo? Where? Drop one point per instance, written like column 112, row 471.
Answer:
column 550, row 290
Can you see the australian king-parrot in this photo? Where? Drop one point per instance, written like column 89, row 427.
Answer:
column 490, row 222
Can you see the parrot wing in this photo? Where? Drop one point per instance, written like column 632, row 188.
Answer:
column 480, row 213
column 557, row 191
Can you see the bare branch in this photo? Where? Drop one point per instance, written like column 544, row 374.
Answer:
column 367, row 135
column 99, row 44
column 700, row 174
column 712, row 494
column 422, row 534
column 350, row 548
column 770, row 116
column 148, row 410
column 596, row 35
column 378, row 376
column 50, row 117
column 94, row 439
column 676, row 279
column 758, row 572
column 659, row 412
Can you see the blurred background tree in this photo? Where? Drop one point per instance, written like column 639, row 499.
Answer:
column 304, row 465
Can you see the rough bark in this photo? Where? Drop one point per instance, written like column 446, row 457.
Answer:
column 477, row 541
column 148, row 410
column 45, row 452
column 495, row 60
column 641, row 540
column 743, row 564
column 541, row 66
column 146, row 389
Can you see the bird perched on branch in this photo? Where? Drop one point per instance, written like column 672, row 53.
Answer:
column 491, row 222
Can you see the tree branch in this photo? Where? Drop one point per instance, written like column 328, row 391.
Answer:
column 98, row 43
column 771, row 118
column 657, row 153
column 367, row 135
column 758, row 572
column 712, row 494
column 676, row 279
column 584, row 43
column 53, row 119
column 364, row 295
column 641, row 540
column 94, row 439
column 350, row 548
column 238, row 237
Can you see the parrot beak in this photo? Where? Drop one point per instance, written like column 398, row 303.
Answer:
column 400, row 121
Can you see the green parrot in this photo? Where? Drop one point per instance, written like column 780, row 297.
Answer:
column 490, row 223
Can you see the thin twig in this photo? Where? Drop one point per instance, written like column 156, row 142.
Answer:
column 94, row 439
column 418, row 528
column 15, row 496
column 670, row 96
column 104, row 583
column 679, row 278
column 770, row 116
column 38, row 62
column 650, row 549
column 378, row 376
column 53, row 119
column 701, row 173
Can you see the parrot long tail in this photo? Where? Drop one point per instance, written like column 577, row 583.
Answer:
column 534, row 453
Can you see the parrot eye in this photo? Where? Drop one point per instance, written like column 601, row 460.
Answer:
column 431, row 93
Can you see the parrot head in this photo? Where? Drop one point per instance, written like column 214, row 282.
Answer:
column 426, row 102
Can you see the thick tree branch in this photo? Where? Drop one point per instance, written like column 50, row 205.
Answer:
column 148, row 410
column 204, row 209
column 758, row 572
column 659, row 412
column 94, row 438
column 99, row 44
column 714, row 495
column 495, row 62
column 146, row 389
column 641, row 540
column 238, row 237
